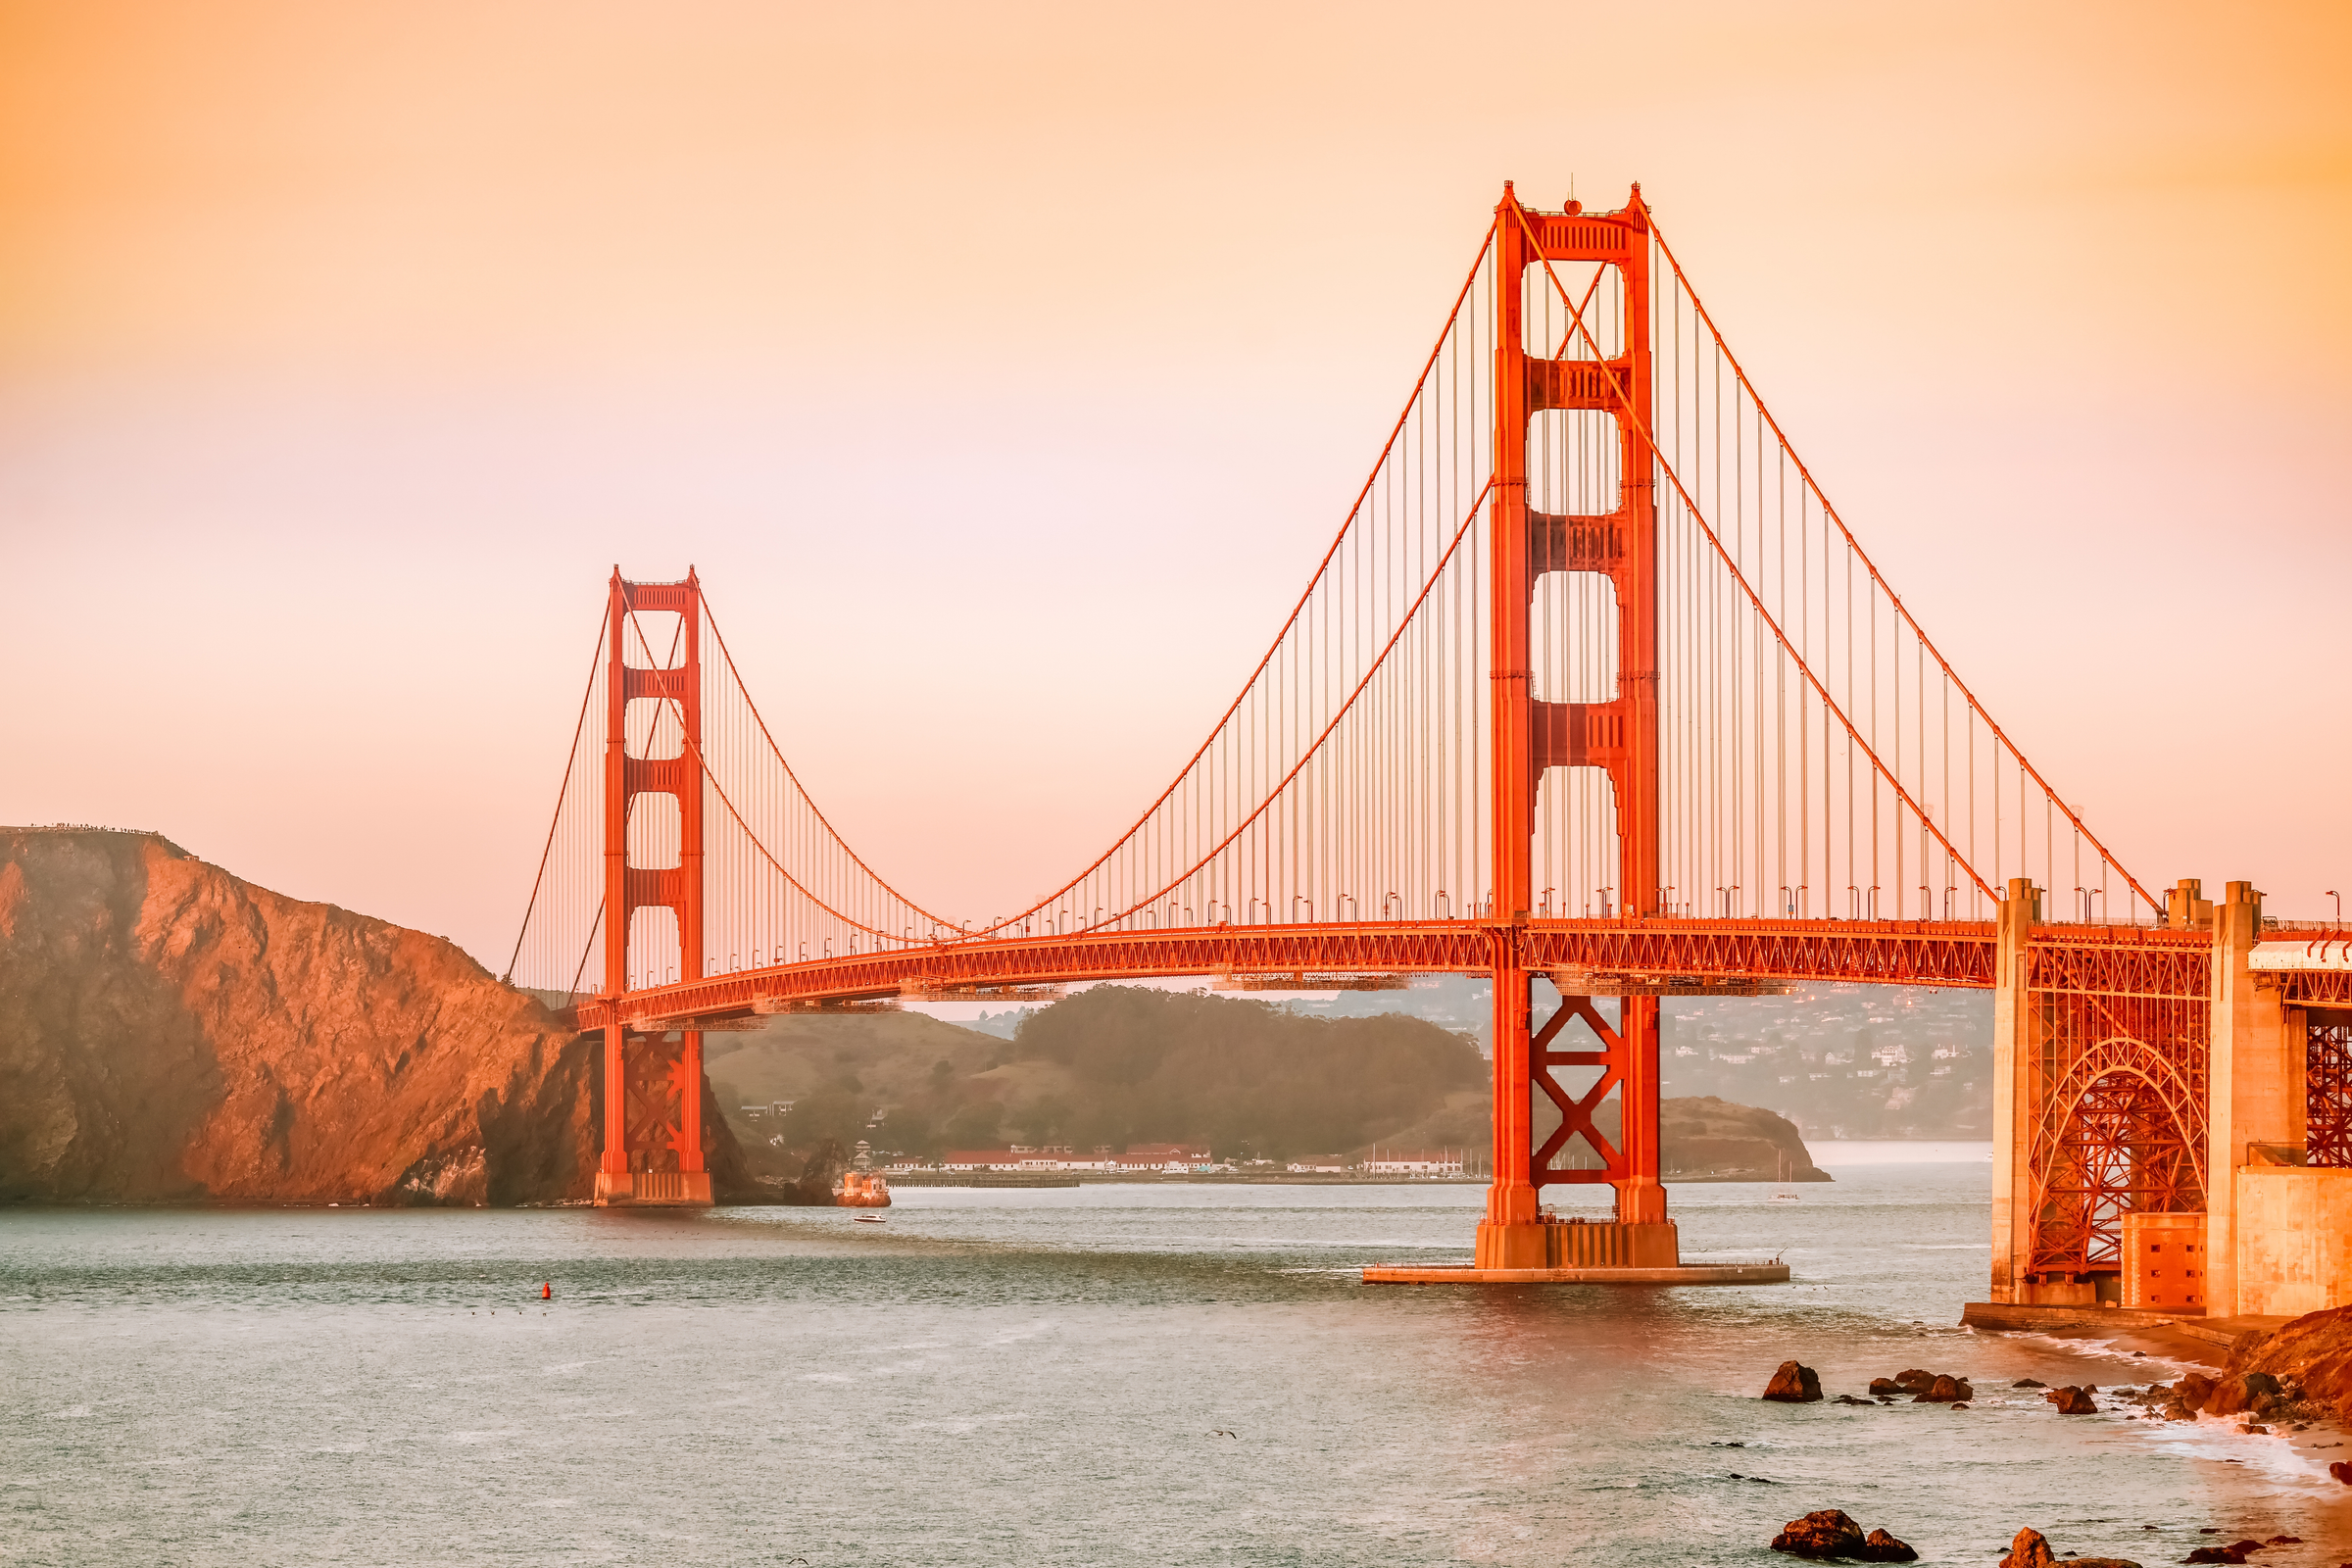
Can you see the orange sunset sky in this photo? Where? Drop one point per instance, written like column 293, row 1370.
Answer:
column 1005, row 368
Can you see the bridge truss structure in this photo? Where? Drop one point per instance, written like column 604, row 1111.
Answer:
column 1593, row 692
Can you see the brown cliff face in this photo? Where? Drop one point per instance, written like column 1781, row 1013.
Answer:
column 2313, row 1351
column 168, row 1033
column 1703, row 1138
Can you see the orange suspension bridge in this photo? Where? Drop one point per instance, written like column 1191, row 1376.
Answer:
column 1592, row 687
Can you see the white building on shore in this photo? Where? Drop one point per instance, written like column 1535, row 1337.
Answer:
column 1417, row 1162
column 1160, row 1158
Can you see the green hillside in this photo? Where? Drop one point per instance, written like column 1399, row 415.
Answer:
column 1113, row 1066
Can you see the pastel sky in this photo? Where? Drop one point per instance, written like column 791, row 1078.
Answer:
column 1002, row 368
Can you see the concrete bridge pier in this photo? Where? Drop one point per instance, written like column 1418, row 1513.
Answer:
column 2015, row 1054
column 2257, row 1110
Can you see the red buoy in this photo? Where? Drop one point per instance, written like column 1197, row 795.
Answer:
column 547, row 1292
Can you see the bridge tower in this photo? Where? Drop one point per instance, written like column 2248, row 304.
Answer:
column 653, row 1102
column 1531, row 735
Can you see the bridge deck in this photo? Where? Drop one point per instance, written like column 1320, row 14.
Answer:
column 1617, row 957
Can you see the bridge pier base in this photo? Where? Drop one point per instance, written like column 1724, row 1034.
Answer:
column 1510, row 1244
column 653, row 1188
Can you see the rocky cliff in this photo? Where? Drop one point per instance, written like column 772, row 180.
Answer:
column 1703, row 1138
column 2313, row 1351
column 170, row 1033
column 1706, row 1139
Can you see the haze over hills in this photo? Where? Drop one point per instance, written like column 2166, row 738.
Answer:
column 1118, row 1066
column 1112, row 1066
column 1837, row 1060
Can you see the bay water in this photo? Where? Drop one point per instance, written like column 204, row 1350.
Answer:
column 1182, row 1374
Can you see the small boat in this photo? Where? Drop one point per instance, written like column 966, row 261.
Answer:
column 1781, row 1168
column 871, row 1219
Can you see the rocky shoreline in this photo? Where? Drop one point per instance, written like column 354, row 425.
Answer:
column 2291, row 1381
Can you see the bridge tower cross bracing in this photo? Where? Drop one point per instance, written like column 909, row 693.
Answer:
column 1532, row 735
column 652, row 1133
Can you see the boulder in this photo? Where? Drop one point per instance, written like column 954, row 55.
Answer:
column 2028, row 1383
column 1943, row 1391
column 1880, row 1546
column 2235, row 1551
column 2342, row 1471
column 1913, row 1379
column 2234, row 1395
column 2071, row 1402
column 1795, row 1384
column 2029, row 1551
column 1848, row 1399
column 1881, row 1388
column 2193, row 1388
column 1822, row 1534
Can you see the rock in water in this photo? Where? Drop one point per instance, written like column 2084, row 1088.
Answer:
column 1795, row 1384
column 2029, row 1551
column 2028, row 1383
column 2071, row 1401
column 1880, row 1546
column 2341, row 1472
column 1880, row 1387
column 1913, row 1380
column 1943, row 1391
column 2193, row 1388
column 1823, row 1533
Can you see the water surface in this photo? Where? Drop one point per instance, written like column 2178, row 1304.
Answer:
column 1049, row 1377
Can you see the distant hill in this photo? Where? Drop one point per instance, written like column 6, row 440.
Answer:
column 1112, row 1065
column 1838, row 1061
column 1116, row 1065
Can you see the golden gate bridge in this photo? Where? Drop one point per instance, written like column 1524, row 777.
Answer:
column 1595, row 688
